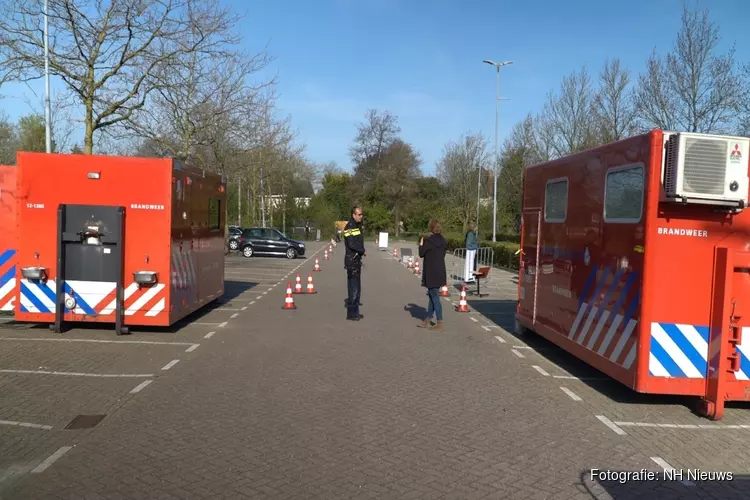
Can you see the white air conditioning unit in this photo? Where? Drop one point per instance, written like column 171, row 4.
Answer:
column 706, row 169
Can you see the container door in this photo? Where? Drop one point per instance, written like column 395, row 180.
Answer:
column 89, row 263
column 531, row 226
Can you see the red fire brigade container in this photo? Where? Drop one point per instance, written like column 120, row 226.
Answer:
column 7, row 237
column 130, row 241
column 636, row 259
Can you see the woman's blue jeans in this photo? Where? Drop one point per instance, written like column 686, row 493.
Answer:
column 434, row 306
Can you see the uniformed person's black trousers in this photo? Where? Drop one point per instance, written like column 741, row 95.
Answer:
column 354, row 285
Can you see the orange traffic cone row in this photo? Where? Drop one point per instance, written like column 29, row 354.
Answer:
column 463, row 306
column 289, row 300
column 444, row 291
column 325, row 255
column 298, row 285
column 310, row 286
column 416, row 268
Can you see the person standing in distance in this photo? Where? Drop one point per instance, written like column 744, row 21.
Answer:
column 354, row 241
column 434, row 275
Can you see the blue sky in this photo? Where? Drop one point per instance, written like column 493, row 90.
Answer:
column 422, row 60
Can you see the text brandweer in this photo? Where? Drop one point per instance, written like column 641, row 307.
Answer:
column 698, row 233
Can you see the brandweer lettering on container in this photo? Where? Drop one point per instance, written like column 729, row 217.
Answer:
column 675, row 231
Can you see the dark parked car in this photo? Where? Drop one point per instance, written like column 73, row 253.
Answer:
column 268, row 241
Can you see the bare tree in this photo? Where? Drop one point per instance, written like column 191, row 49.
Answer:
column 692, row 89
column 396, row 177
column 62, row 123
column 378, row 131
column 568, row 114
column 614, row 106
column 198, row 96
column 374, row 135
column 109, row 52
column 458, row 170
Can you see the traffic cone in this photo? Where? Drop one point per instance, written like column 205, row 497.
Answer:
column 298, row 285
column 310, row 286
column 416, row 268
column 317, row 265
column 395, row 253
column 289, row 300
column 463, row 307
column 444, row 291
column 411, row 263
column 330, row 248
column 325, row 255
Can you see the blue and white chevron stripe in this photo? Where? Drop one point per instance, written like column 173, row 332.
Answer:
column 681, row 351
column 7, row 280
column 37, row 297
column 605, row 321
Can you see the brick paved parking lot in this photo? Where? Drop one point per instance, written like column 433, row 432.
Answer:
column 302, row 404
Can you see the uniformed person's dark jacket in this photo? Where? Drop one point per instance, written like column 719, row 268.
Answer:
column 355, row 245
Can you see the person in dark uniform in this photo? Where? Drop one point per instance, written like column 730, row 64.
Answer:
column 355, row 250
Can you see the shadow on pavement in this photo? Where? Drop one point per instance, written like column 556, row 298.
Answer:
column 617, row 486
column 417, row 312
column 502, row 313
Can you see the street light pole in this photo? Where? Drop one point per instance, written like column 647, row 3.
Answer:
column 497, row 152
column 47, row 107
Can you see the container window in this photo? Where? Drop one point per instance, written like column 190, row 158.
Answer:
column 623, row 194
column 214, row 213
column 556, row 200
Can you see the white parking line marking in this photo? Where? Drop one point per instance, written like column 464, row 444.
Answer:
column 170, row 364
column 234, row 315
column 521, row 347
column 25, row 424
column 209, row 335
column 486, row 328
column 141, row 386
column 572, row 394
column 500, row 339
column 252, row 302
column 244, row 309
column 664, row 465
column 265, row 293
column 258, row 297
column 94, row 341
column 611, row 425
column 51, row 459
column 223, row 324
column 77, row 374
column 571, row 377
column 517, row 353
column 192, row 348
column 541, row 370
column 684, row 426
column 475, row 320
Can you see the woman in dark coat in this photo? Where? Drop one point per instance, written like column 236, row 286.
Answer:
column 434, row 275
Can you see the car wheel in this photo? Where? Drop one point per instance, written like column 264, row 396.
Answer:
column 291, row 253
column 247, row 251
column 233, row 245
